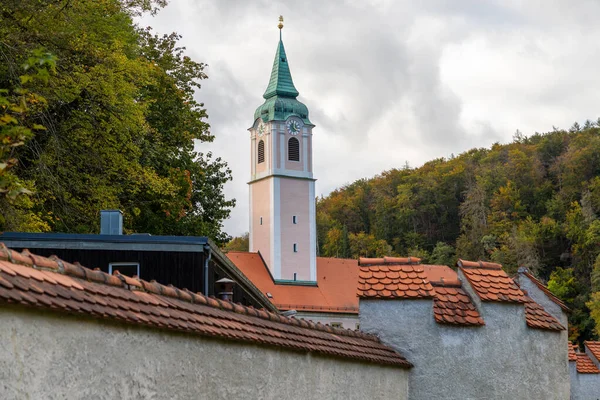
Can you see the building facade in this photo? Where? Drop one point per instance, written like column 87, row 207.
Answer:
column 282, row 187
column 584, row 369
column 190, row 262
column 471, row 334
column 75, row 333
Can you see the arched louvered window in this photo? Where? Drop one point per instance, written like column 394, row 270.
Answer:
column 261, row 151
column 293, row 149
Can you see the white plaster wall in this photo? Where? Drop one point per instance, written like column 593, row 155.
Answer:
column 260, row 206
column 309, row 157
column 501, row 360
column 49, row 357
column 584, row 386
column 295, row 201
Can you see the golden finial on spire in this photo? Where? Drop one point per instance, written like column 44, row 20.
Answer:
column 280, row 26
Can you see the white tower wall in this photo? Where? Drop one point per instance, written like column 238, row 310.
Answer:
column 282, row 201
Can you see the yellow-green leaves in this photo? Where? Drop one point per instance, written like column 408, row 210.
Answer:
column 111, row 120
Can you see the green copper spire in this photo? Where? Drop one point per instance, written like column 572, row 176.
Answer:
column 280, row 96
column 281, row 83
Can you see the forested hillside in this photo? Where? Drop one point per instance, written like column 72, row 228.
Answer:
column 534, row 202
column 98, row 113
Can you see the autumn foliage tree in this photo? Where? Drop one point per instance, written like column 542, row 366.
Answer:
column 534, row 202
column 121, row 123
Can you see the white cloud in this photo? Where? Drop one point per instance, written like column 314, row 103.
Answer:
column 391, row 81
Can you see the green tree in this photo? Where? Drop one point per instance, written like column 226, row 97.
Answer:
column 365, row 245
column 443, row 254
column 563, row 284
column 594, row 306
column 333, row 243
column 17, row 104
column 534, row 202
column 122, row 122
column 238, row 243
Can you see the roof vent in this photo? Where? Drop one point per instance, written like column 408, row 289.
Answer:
column 111, row 222
column 224, row 289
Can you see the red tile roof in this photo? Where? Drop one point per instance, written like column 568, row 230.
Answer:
column 538, row 318
column 478, row 264
column 335, row 290
column 394, row 281
column 490, row 282
column 442, row 274
column 594, row 348
column 453, row 306
column 572, row 352
column 585, row 365
column 389, row 261
column 548, row 293
column 58, row 286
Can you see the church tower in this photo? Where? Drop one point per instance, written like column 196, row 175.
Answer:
column 282, row 188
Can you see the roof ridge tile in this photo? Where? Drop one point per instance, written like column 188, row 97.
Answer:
column 478, row 264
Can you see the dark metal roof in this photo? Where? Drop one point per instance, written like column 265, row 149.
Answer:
column 105, row 242
column 137, row 242
column 76, row 237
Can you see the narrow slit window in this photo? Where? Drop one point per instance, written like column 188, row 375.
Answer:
column 293, row 149
column 294, row 220
column 261, row 151
column 295, row 247
column 261, row 220
column 130, row 269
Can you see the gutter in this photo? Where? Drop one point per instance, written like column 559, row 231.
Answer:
column 206, row 261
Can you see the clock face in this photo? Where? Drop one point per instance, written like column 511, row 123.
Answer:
column 293, row 127
column 261, row 129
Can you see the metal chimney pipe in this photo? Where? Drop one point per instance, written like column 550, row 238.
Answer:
column 224, row 289
column 111, row 222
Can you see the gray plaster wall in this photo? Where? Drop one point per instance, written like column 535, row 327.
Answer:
column 542, row 299
column 49, row 357
column 584, row 386
column 502, row 360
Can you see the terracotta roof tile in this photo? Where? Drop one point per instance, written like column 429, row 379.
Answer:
column 585, row 365
column 548, row 293
column 490, row 282
column 572, row 352
column 389, row 261
column 402, row 281
column 452, row 305
column 594, row 348
column 335, row 291
column 134, row 301
column 478, row 264
column 441, row 274
column 538, row 318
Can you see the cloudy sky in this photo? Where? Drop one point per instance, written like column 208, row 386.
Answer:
column 390, row 81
